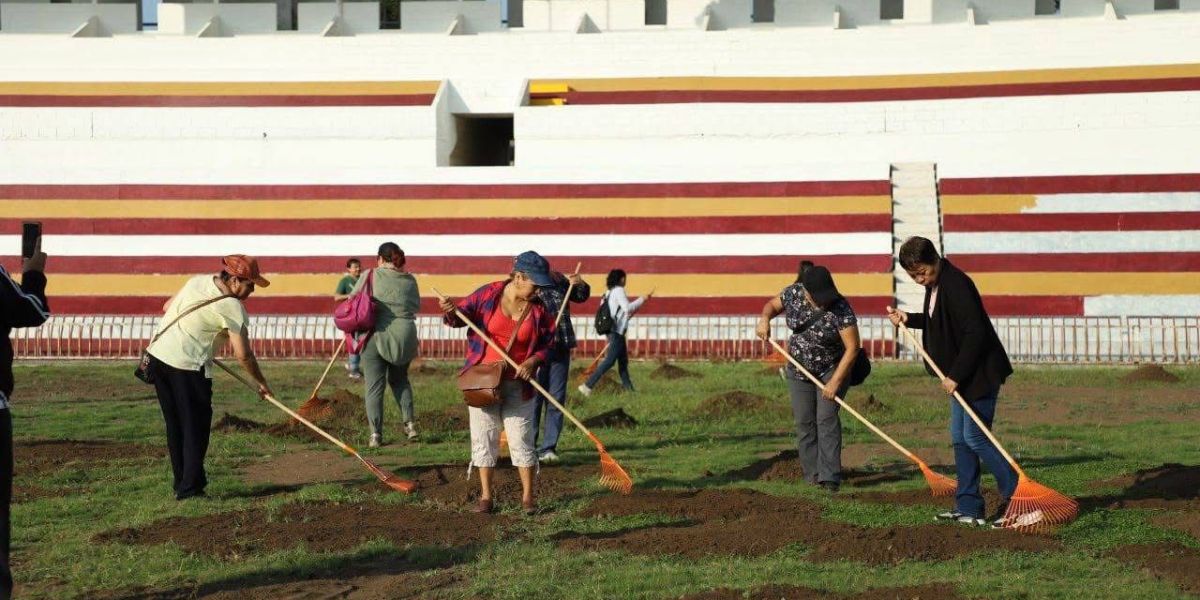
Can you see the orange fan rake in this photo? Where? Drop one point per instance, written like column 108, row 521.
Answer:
column 1033, row 506
column 388, row 478
column 583, row 377
column 939, row 485
column 612, row 475
column 314, row 407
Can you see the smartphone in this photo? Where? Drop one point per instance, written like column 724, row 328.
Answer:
column 31, row 232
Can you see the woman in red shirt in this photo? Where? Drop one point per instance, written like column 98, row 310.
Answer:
column 506, row 310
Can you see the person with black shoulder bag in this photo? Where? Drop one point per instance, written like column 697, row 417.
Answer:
column 206, row 312
column 826, row 342
column 21, row 305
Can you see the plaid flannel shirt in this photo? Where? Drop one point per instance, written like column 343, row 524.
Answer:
column 552, row 297
column 479, row 306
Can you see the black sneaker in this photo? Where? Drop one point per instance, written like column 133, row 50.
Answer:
column 950, row 515
column 997, row 520
column 953, row 516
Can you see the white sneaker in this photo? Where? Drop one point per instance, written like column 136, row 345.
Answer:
column 585, row 390
column 548, row 457
column 410, row 430
column 376, row 441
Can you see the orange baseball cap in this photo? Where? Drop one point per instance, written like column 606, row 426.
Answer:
column 244, row 267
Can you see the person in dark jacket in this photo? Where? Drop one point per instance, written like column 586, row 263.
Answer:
column 554, row 373
column 22, row 305
column 959, row 337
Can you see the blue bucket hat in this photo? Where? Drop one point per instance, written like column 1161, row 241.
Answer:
column 535, row 266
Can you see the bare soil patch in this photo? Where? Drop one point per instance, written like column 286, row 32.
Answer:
column 298, row 466
column 616, row 418
column 319, row 527
column 1188, row 522
column 424, row 367
column 1149, row 373
column 934, row 591
column 921, row 497
column 1171, row 486
column 448, row 484
column 1174, row 562
column 738, row 403
column 233, row 423
column 41, row 456
column 749, row 523
column 670, row 371
column 870, row 405
column 29, row 493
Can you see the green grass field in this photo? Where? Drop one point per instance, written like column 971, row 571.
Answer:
column 1070, row 428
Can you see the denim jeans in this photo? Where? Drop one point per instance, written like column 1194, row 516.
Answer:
column 552, row 376
column 617, row 354
column 971, row 447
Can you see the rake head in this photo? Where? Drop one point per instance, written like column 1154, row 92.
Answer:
column 314, row 408
column 939, row 485
column 612, row 475
column 1035, row 508
column 390, row 479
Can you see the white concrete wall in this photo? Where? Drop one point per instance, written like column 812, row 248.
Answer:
column 564, row 15
column 236, row 19
column 358, row 17
column 435, row 16
column 43, row 17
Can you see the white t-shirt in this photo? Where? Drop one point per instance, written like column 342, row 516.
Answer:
column 621, row 308
column 191, row 343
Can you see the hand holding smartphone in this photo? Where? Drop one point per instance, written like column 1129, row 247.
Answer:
column 31, row 246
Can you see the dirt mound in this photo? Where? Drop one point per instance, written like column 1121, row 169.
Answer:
column 737, row 403
column 1174, row 562
column 1149, row 373
column 228, row 423
column 670, row 371
column 424, row 367
column 340, row 414
column 872, row 405
column 40, row 456
column 616, row 418
column 448, row 484
column 748, row 523
column 450, row 419
column 934, row 591
column 319, row 527
column 785, row 466
column 1171, row 486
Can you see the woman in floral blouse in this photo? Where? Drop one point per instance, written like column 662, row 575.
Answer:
column 825, row 341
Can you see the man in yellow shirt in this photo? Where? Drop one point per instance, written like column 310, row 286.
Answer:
column 181, row 361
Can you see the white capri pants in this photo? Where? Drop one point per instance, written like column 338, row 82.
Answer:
column 515, row 414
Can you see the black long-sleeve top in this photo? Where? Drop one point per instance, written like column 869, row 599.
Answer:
column 21, row 305
column 959, row 335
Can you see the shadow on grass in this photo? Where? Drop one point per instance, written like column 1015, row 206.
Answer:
column 1160, row 487
column 375, row 563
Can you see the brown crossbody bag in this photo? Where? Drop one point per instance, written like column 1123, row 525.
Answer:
column 480, row 384
column 143, row 371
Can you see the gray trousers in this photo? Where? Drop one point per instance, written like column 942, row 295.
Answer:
column 377, row 375
column 818, row 430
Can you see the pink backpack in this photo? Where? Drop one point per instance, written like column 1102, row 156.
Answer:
column 356, row 314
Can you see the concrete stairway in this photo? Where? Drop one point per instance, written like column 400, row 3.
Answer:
column 915, row 211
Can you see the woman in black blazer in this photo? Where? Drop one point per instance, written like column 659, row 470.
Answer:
column 959, row 336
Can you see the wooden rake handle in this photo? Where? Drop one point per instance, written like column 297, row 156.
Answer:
column 332, row 360
column 817, row 382
column 290, row 412
column 912, row 339
column 549, row 397
column 567, row 298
